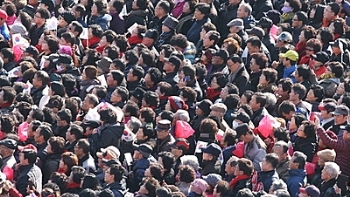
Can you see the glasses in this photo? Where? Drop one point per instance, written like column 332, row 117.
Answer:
column 251, row 63
column 309, row 49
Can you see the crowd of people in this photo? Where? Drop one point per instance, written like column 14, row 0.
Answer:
column 183, row 98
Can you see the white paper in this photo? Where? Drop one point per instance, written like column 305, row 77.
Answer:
column 52, row 23
column 85, row 33
column 103, row 81
column 200, row 144
column 128, row 158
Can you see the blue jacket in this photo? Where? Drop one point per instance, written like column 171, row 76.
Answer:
column 138, row 172
column 102, row 20
column 193, row 34
column 295, row 181
column 267, row 178
column 4, row 31
column 289, row 73
column 117, row 188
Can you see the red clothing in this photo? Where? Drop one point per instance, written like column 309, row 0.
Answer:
column 92, row 41
column 100, row 49
column 213, row 94
column 133, row 40
column 320, row 71
column 301, row 49
column 304, row 60
column 326, row 23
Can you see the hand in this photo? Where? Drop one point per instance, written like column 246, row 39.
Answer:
column 7, row 185
column 274, row 64
column 94, row 131
column 337, row 189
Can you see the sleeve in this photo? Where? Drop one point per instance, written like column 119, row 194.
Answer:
column 332, row 143
column 259, row 157
column 293, row 188
column 22, row 184
column 15, row 193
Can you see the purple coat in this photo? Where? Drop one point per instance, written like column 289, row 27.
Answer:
column 117, row 23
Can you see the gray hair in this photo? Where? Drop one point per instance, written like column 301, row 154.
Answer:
column 190, row 160
column 278, row 184
column 282, row 193
column 271, row 99
column 134, row 124
column 332, row 168
column 247, row 8
column 182, row 115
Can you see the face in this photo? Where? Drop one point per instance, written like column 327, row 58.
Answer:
column 252, row 49
column 168, row 106
column 254, row 104
column 300, row 131
column 325, row 175
column 206, row 41
column 143, row 190
column 207, row 157
column 311, row 96
column 130, row 76
column 214, row 83
column 262, row 80
column 198, row 15
column 108, row 177
column 292, row 165
column 292, row 125
column 199, row 112
column 186, row 9
column 103, row 41
column 279, row 151
column 44, row 46
column 115, row 97
column 327, row 13
column 340, row 119
column 158, row 11
column 165, row 29
column 162, row 134
column 62, row 22
column 302, row 37
column 147, row 41
column 254, row 66
column 148, row 172
column 243, row 100
column 240, row 12
column 37, row 136
column 94, row 11
column 296, row 22
column 38, row 19
column 22, row 161
column 229, row 169
column 224, row 93
column 176, row 151
column 292, row 96
column 340, row 89
column 309, row 51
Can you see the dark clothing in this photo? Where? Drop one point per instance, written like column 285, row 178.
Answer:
column 193, row 33
column 261, row 6
column 70, row 146
column 258, row 115
column 51, row 165
column 307, row 146
column 108, row 135
column 241, row 80
column 101, row 20
column 9, row 66
column 170, row 78
column 226, row 155
column 185, row 23
column 138, row 172
column 267, row 178
column 117, row 23
column 35, row 33
column 316, row 21
column 37, row 94
column 282, row 170
column 131, row 86
column 254, row 81
column 22, row 176
column 136, row 16
column 246, row 183
column 295, row 181
column 210, row 167
column 169, row 177
column 164, row 38
column 61, row 131
column 117, row 188
column 164, row 145
column 195, row 123
column 226, row 14
column 327, row 189
column 157, row 23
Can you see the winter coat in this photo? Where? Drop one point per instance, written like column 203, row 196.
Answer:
column 295, row 181
column 117, row 188
column 51, row 165
column 108, row 135
column 226, row 14
column 37, row 93
column 258, row 115
column 156, row 23
column 193, row 33
column 117, row 23
column 246, row 183
column 24, row 173
column 137, row 16
column 138, row 172
column 307, row 146
column 164, row 38
column 327, row 189
column 210, row 167
column 316, row 21
column 255, row 152
column 185, row 23
column 282, row 170
column 164, row 145
column 241, row 80
column 267, row 178
column 260, row 7
column 87, row 86
column 183, row 187
column 102, row 20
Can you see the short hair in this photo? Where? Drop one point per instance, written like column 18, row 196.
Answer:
column 148, row 114
column 110, row 36
column 337, row 68
column 123, row 92
column 151, row 185
column 69, row 37
column 272, row 158
column 134, row 124
column 278, row 184
column 208, row 26
column 302, row 16
column 187, row 173
column 77, row 27
column 318, row 91
column 138, row 72
column 254, row 41
column 300, row 90
column 101, row 6
column 78, row 173
column 65, row 115
column 167, row 115
column 121, row 42
column 182, row 115
column 157, row 171
column 100, row 91
column 57, row 145
column 334, row 7
column 223, row 187
column 179, row 40
column 90, row 72
column 165, row 5
column 44, row 13
column 96, row 30
column 131, row 108
column 286, row 83
column 304, row 71
column 214, row 35
column 283, row 145
column 281, row 193
column 70, row 159
column 92, row 99
column 84, row 145
column 295, row 4
column 260, row 98
column 315, row 44
column 203, row 8
column 43, row 77
column 325, row 34
column 246, row 166
column 30, row 155
column 45, row 131
column 189, row 71
column 118, row 171
column 9, row 94
column 76, row 130
column 332, row 168
column 299, row 158
column 233, row 161
column 245, row 192
column 155, row 74
column 142, row 4
column 270, row 75
column 151, row 99
column 58, row 88
column 309, row 129
column 165, row 88
column 327, row 155
column 107, row 115
column 8, row 53
column 52, row 42
column 260, row 59
column 309, row 32
column 281, row 133
column 55, row 101
column 189, row 93
column 286, row 107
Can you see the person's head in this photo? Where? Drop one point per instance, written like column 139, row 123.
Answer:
column 162, row 9
column 315, row 94
column 331, row 11
column 56, row 145
column 307, row 130
column 231, row 164
column 7, row 95
column 330, row 171
column 95, row 31
column 120, row 94
column 64, row 117
column 244, row 167
column 258, row 101
column 140, row 4
column 27, row 157
column 270, row 162
column 281, row 149
column 7, row 55
column 135, row 74
column 300, row 19
column 258, row 61
column 326, row 155
column 211, row 38
column 50, row 44
column 99, row 8
column 202, row 10
column 57, row 88
column 41, row 78
column 298, row 161
column 302, row 73
column 277, row 184
column 77, row 174
column 75, row 132
column 297, row 93
column 149, row 187
column 307, row 33
column 325, row 35
column 147, row 115
column 268, row 76
column 336, row 69
column 68, row 160
column 82, row 148
column 41, row 15
column 244, row 10
column 289, row 58
column 253, row 44
column 43, row 133
column 89, row 102
column 114, row 173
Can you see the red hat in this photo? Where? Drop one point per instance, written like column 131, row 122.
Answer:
column 28, row 146
column 177, row 103
column 3, row 14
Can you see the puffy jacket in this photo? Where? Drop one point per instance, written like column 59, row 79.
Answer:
column 117, row 188
column 255, row 152
column 36, row 94
column 295, row 181
column 261, row 6
column 306, row 146
column 138, row 172
column 226, row 14
column 51, row 165
column 267, row 178
column 102, row 20
column 108, row 135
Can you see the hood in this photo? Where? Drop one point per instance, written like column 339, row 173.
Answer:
column 299, row 172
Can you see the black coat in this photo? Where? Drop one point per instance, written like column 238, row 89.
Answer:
column 316, row 22
column 210, row 167
column 261, row 6
column 108, row 135
column 226, row 14
column 136, row 16
column 258, row 115
column 307, row 146
column 22, row 176
column 51, row 165
column 246, row 183
column 241, row 80
column 37, row 94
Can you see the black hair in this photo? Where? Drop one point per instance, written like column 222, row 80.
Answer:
column 131, row 108
column 232, row 101
column 286, row 83
column 118, row 171
column 179, row 40
column 151, row 99
column 90, row 181
column 168, row 160
column 286, row 107
column 203, row 8
column 58, row 88
column 300, row 90
column 107, row 115
column 44, row 13
column 76, row 130
column 65, row 115
column 318, row 91
column 45, row 131
column 8, row 53
column 96, row 30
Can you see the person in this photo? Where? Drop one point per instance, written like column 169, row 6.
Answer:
column 8, row 147
column 179, row 148
column 310, row 190
column 82, row 150
column 290, row 58
column 201, row 15
column 211, row 163
column 306, row 140
column 296, row 173
column 268, row 174
column 257, row 103
column 113, row 178
column 238, row 73
column 164, row 137
column 243, row 172
column 329, row 176
column 55, row 148
column 4, row 31
column 281, row 149
column 255, row 148
column 327, row 115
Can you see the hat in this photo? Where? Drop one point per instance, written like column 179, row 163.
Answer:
column 163, row 125
column 285, row 36
column 170, row 22
column 242, row 130
column 222, row 53
column 219, row 107
column 52, row 57
column 182, row 144
column 109, row 162
column 291, row 55
column 26, row 147
column 9, row 143
column 18, row 28
column 138, row 93
column 321, row 56
column 106, row 193
column 151, row 33
column 55, row 77
column 199, row 186
column 341, row 110
column 103, row 65
column 112, row 151
column 145, row 150
column 256, row 31
column 310, row 190
column 329, row 107
column 274, row 15
column 49, row 4
column 244, row 117
column 68, row 16
column 63, row 59
column 212, row 149
column 177, row 103
column 3, row 15
column 212, row 179
column 92, row 124
column 237, row 22
column 174, row 60
column 204, row 105
column 32, row 50
column 265, row 22
column 337, row 43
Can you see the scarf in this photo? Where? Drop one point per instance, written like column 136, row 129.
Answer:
column 326, row 23
column 234, row 181
column 134, row 40
column 62, row 171
column 73, row 185
column 213, row 93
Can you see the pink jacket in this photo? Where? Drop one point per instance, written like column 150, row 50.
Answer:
column 177, row 11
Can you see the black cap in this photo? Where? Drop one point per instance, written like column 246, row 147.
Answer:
column 138, row 93
column 236, row 59
column 242, row 130
column 163, row 125
column 204, row 105
column 152, row 33
column 145, row 150
column 32, row 50
column 68, row 16
column 91, row 123
column 63, row 59
column 170, row 22
column 48, row 3
column 321, row 56
column 175, row 60
column 9, row 143
column 341, row 110
column 212, row 149
column 222, row 53
column 52, row 57
column 257, row 31
column 244, row 117
column 110, row 162
column 265, row 22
